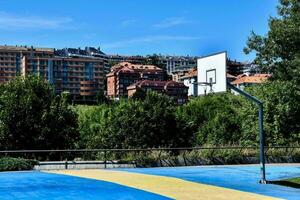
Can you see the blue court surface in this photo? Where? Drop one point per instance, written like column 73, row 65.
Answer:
column 35, row 185
column 41, row 185
column 243, row 178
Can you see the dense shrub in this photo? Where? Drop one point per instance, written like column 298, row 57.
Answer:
column 134, row 123
column 93, row 124
column 16, row 164
column 281, row 114
column 213, row 119
column 32, row 117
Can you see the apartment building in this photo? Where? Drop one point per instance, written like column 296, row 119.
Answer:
column 124, row 74
column 19, row 60
column 176, row 63
column 168, row 63
column 182, row 71
column 251, row 68
column 175, row 90
column 115, row 59
column 79, row 72
column 234, row 67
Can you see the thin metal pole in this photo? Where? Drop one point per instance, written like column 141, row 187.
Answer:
column 262, row 144
column 261, row 130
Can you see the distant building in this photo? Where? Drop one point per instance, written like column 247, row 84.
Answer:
column 251, row 68
column 169, row 63
column 176, row 76
column 190, row 80
column 174, row 63
column 124, row 74
column 234, row 67
column 182, row 71
column 115, row 59
column 16, row 60
column 77, row 71
column 178, row 91
column 244, row 80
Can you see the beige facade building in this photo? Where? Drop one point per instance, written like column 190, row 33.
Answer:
column 80, row 72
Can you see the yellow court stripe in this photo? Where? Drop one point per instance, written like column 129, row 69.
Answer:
column 167, row 186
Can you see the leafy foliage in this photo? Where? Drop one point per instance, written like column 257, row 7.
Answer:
column 139, row 95
column 32, row 117
column 213, row 119
column 279, row 51
column 101, row 98
column 219, row 119
column 282, row 113
column 16, row 164
column 132, row 124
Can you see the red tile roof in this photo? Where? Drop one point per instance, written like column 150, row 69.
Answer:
column 123, row 70
column 135, row 66
column 257, row 78
column 191, row 73
column 151, row 83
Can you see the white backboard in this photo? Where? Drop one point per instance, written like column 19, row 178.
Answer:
column 212, row 74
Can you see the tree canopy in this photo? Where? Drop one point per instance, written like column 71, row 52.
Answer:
column 32, row 117
column 132, row 123
column 279, row 51
column 213, row 119
column 282, row 113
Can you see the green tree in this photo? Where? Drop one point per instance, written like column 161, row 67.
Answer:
column 139, row 95
column 101, row 98
column 32, row 117
column 281, row 114
column 93, row 122
column 132, row 123
column 279, row 51
column 213, row 119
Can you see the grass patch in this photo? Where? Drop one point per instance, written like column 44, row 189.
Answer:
column 292, row 182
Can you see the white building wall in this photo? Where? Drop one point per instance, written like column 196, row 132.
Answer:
column 189, row 82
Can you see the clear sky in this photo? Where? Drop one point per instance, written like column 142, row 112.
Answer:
column 136, row 27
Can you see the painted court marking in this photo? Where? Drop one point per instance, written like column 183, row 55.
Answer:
column 238, row 177
column 175, row 188
column 35, row 185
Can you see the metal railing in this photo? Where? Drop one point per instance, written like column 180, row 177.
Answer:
column 164, row 156
column 148, row 149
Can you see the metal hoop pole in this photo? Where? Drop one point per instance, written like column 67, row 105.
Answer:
column 261, row 130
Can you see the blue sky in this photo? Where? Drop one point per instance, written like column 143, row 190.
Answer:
column 136, row 27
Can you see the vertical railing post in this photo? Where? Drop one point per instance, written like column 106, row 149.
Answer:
column 105, row 159
column 66, row 164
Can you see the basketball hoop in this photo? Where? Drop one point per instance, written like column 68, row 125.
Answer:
column 204, row 86
column 211, row 71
